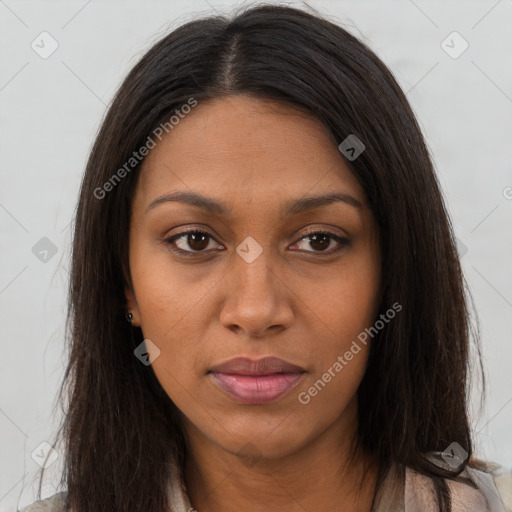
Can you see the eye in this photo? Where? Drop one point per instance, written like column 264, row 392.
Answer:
column 321, row 240
column 199, row 240
column 196, row 239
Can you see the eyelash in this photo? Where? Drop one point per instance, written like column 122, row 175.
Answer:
column 344, row 242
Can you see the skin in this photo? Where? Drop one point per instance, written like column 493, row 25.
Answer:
column 292, row 301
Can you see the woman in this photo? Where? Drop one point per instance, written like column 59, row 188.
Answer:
column 260, row 206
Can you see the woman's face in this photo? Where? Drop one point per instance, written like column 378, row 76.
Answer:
column 260, row 282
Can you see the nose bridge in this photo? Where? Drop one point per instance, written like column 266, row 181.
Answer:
column 255, row 301
column 254, row 268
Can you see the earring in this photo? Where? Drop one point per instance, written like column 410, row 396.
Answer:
column 129, row 317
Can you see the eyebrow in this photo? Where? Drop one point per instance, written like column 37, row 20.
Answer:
column 291, row 208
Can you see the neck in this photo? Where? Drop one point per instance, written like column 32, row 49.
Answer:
column 319, row 476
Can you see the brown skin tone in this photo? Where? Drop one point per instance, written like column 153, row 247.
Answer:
column 293, row 301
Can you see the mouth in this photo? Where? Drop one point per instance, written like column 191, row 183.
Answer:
column 254, row 389
column 257, row 382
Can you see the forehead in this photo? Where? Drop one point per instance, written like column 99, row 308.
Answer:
column 246, row 149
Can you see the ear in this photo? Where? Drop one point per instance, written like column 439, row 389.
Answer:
column 131, row 305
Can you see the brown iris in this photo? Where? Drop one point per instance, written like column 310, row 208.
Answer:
column 198, row 241
column 314, row 240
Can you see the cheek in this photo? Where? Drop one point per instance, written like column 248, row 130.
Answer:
column 344, row 310
column 169, row 305
column 348, row 300
column 341, row 363
column 168, row 294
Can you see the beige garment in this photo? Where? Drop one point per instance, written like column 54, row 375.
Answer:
column 494, row 493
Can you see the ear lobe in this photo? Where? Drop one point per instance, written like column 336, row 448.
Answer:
column 131, row 307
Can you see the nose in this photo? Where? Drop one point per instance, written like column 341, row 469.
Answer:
column 258, row 299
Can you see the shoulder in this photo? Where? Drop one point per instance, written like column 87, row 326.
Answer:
column 55, row 503
column 493, row 492
column 495, row 481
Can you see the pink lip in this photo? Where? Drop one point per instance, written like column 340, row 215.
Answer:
column 257, row 389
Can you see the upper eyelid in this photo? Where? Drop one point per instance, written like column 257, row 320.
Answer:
column 310, row 231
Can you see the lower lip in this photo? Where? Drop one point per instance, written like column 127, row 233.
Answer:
column 257, row 389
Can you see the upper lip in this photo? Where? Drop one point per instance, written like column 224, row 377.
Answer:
column 263, row 366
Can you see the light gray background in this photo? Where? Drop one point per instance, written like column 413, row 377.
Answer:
column 51, row 109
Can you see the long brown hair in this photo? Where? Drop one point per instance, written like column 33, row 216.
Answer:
column 120, row 427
